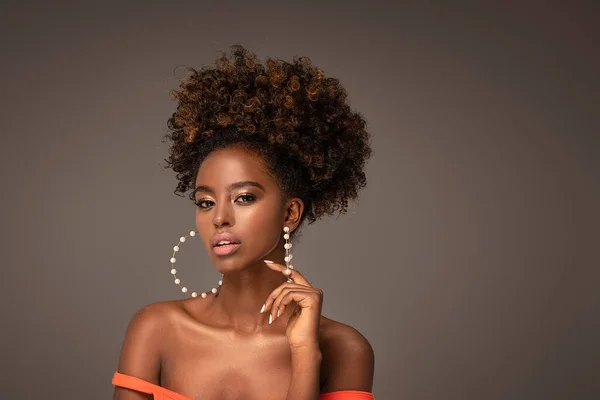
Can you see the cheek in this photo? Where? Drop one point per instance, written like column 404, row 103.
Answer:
column 260, row 219
column 261, row 225
column 204, row 226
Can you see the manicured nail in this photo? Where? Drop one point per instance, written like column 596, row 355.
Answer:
column 262, row 309
column 277, row 313
column 270, row 319
column 268, row 261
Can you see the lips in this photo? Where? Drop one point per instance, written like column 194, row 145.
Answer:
column 225, row 243
column 226, row 249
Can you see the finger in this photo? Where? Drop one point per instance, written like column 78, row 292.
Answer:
column 273, row 295
column 280, row 310
column 293, row 274
column 276, row 308
column 305, row 298
column 268, row 306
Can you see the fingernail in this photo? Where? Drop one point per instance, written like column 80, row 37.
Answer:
column 268, row 261
column 263, row 308
column 277, row 313
column 270, row 319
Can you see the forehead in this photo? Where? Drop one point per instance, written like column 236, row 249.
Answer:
column 233, row 164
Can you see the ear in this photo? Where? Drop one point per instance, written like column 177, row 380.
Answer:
column 293, row 213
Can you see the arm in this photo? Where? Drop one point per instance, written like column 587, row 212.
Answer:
column 302, row 330
column 349, row 354
column 306, row 367
column 348, row 364
column 141, row 349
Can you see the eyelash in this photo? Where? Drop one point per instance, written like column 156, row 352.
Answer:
column 249, row 199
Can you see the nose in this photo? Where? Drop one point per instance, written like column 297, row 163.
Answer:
column 223, row 215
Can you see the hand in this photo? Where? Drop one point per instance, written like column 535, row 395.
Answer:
column 303, row 326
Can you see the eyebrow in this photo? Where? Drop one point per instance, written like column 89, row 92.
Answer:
column 233, row 186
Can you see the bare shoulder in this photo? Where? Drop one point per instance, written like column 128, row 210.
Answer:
column 348, row 357
column 145, row 338
column 155, row 316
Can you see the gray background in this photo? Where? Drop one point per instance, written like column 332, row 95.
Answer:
column 471, row 262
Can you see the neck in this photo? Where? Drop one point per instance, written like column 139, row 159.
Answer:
column 242, row 295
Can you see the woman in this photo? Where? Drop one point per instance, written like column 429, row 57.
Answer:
column 261, row 149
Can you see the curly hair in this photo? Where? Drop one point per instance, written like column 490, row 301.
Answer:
column 297, row 119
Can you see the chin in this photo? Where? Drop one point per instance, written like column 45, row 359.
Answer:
column 229, row 264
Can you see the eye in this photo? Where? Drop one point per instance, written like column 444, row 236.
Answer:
column 245, row 198
column 204, row 203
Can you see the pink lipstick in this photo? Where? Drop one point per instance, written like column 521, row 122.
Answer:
column 226, row 249
column 225, row 244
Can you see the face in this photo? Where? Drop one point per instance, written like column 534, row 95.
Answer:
column 240, row 209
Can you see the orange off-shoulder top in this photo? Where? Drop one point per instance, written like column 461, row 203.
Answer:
column 160, row 393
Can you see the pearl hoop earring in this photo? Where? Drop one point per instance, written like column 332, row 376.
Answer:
column 288, row 258
column 177, row 281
